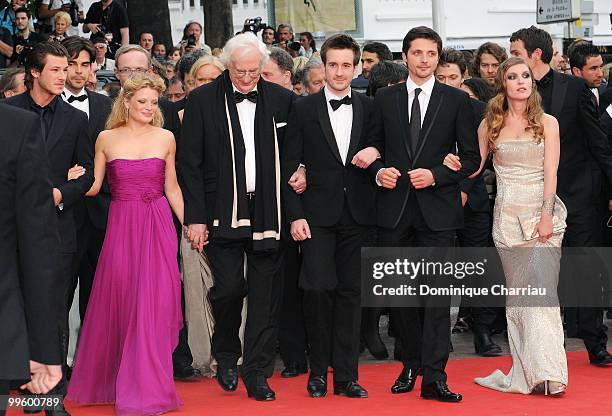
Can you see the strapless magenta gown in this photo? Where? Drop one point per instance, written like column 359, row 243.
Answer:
column 134, row 312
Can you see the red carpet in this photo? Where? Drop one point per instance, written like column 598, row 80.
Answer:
column 589, row 393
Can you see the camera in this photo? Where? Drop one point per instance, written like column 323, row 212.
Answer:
column 254, row 25
column 191, row 41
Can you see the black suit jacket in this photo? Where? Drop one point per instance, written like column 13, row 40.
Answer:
column 171, row 118
column 310, row 140
column 67, row 144
column 448, row 126
column 478, row 198
column 97, row 207
column 29, row 249
column 204, row 139
column 583, row 143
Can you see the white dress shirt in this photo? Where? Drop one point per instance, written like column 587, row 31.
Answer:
column 424, row 96
column 246, row 115
column 595, row 92
column 341, row 122
column 79, row 105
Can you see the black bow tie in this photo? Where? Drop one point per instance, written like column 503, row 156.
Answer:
column 335, row 104
column 240, row 97
column 74, row 98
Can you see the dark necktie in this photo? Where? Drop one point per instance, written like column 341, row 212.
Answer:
column 240, row 97
column 41, row 113
column 415, row 121
column 74, row 98
column 335, row 104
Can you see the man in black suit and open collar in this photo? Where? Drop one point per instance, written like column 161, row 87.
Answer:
column 65, row 132
column 90, row 215
column 419, row 202
column 333, row 218
column 572, row 103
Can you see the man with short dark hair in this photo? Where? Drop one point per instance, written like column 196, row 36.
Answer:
column 571, row 102
column 413, row 125
column 175, row 91
column 90, row 215
column 587, row 63
column 24, row 38
column 373, row 53
column 146, row 40
column 65, row 133
column 109, row 18
column 333, row 219
column 279, row 68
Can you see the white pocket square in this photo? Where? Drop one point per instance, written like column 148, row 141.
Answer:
column 279, row 125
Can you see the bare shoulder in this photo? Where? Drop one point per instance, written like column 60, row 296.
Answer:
column 166, row 137
column 105, row 137
column 550, row 122
column 483, row 128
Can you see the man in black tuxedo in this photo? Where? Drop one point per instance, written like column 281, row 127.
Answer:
column 229, row 168
column 65, row 132
column 419, row 202
column 29, row 250
column 475, row 202
column 333, row 218
column 570, row 101
column 90, row 215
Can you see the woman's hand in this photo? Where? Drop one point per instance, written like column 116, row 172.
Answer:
column 452, row 162
column 544, row 229
column 75, row 172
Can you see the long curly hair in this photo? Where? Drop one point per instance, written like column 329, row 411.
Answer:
column 120, row 115
column 497, row 109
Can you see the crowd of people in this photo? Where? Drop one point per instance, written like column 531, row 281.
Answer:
column 266, row 166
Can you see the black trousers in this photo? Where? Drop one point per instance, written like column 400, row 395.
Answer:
column 181, row 356
column 263, row 285
column 424, row 331
column 475, row 233
column 291, row 328
column 4, row 392
column 89, row 245
column 581, row 232
column 331, row 279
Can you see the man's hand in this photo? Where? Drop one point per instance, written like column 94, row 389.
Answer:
column 44, row 377
column 300, row 230
column 75, row 172
column 57, row 196
column 421, row 178
column 464, row 198
column 19, row 49
column 387, row 177
column 297, row 181
column 364, row 158
column 94, row 27
column 198, row 235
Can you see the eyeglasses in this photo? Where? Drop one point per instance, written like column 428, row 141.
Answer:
column 100, row 47
column 130, row 71
column 240, row 73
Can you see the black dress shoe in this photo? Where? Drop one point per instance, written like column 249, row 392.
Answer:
column 317, row 386
column 370, row 333
column 438, row 390
column 600, row 358
column 228, row 378
column 350, row 389
column 294, row 369
column 186, row 372
column 57, row 411
column 484, row 345
column 405, row 381
column 260, row 390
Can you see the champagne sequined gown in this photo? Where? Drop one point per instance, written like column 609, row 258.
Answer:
column 535, row 331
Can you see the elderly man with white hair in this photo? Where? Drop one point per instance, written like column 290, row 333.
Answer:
column 229, row 168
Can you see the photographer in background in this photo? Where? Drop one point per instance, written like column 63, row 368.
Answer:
column 287, row 42
column 24, row 38
column 111, row 19
column 192, row 39
column 48, row 9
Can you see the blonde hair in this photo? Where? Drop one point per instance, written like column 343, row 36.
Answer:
column 65, row 17
column 203, row 61
column 120, row 114
column 497, row 109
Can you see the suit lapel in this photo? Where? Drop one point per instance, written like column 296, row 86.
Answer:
column 326, row 126
column 558, row 94
column 60, row 121
column 435, row 103
column 356, row 126
column 402, row 109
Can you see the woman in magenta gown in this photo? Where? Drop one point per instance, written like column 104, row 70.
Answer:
column 134, row 313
